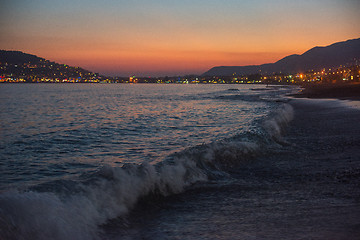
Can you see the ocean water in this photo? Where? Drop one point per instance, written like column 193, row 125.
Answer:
column 116, row 161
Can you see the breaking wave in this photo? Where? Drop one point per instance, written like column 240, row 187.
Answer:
column 76, row 209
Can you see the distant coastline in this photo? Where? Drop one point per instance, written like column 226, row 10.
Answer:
column 338, row 63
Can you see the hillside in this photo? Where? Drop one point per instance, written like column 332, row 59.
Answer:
column 31, row 68
column 17, row 57
column 341, row 53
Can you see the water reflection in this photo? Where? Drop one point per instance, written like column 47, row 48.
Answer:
column 44, row 125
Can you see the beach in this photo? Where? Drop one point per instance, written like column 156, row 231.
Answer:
column 307, row 188
column 340, row 91
column 224, row 163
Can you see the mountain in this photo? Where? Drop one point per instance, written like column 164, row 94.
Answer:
column 31, row 68
column 17, row 57
column 341, row 53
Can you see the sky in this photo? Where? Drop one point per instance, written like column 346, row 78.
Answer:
column 172, row 37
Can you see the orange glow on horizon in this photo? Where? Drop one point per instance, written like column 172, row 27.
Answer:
column 173, row 37
column 195, row 62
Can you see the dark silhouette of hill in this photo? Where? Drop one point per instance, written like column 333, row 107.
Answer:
column 32, row 68
column 341, row 53
column 17, row 57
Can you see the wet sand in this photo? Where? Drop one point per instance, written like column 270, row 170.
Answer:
column 340, row 91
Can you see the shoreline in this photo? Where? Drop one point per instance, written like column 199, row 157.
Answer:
column 307, row 189
column 348, row 91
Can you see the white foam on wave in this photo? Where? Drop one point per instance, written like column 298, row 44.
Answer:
column 115, row 191
column 276, row 124
column 35, row 215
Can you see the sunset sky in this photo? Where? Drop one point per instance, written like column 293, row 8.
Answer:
column 172, row 37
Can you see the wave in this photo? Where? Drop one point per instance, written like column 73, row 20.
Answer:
column 75, row 210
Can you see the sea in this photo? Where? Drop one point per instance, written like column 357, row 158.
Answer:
column 158, row 161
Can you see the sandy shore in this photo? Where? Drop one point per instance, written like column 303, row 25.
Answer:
column 340, row 91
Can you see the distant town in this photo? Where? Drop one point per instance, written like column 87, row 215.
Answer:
column 26, row 68
column 50, row 72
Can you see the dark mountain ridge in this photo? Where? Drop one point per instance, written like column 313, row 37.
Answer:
column 334, row 55
column 31, row 68
column 17, row 57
